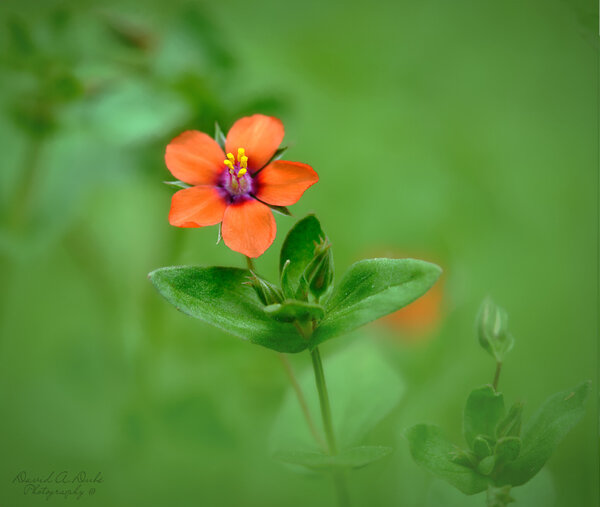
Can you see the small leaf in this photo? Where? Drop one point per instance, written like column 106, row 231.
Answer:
column 299, row 248
column 219, row 136
column 277, row 156
column 371, row 289
column 430, row 449
column 481, row 447
column 356, row 457
column 177, row 184
column 219, row 297
column 483, row 410
column 510, row 426
column 544, row 431
column 486, row 465
column 282, row 210
column 507, row 449
column 286, row 284
column 291, row 310
column 499, row 497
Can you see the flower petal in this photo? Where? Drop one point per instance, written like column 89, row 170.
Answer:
column 197, row 207
column 259, row 135
column 195, row 158
column 282, row 183
column 249, row 227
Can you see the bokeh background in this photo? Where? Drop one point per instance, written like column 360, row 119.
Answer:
column 459, row 132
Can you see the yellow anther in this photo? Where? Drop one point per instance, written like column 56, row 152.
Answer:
column 231, row 157
column 242, row 172
column 244, row 161
column 228, row 164
column 241, row 153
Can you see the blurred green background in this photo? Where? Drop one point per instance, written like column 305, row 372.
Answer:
column 459, row 132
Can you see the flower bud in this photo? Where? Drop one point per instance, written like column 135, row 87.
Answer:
column 319, row 273
column 268, row 293
column 492, row 327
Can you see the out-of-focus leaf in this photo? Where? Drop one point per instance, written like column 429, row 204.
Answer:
column 355, row 457
column 544, row 431
column 219, row 297
column 431, row 450
column 177, row 184
column 483, row 410
column 371, row 289
column 357, row 407
column 537, row 492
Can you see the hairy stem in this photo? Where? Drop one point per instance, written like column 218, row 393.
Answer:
column 29, row 175
column 338, row 476
column 324, row 400
column 249, row 263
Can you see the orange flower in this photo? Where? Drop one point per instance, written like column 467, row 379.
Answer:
column 236, row 188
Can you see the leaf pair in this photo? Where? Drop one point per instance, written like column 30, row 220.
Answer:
column 498, row 456
column 369, row 289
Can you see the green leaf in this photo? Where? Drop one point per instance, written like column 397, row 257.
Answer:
column 219, row 136
column 299, row 248
column 371, row 289
column 177, row 184
column 355, row 457
column 290, row 311
column 544, row 431
column 356, row 407
column 483, row 410
column 430, row 449
column 282, row 210
column 510, row 426
column 218, row 296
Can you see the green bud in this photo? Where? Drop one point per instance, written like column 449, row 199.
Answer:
column 508, row 449
column 481, row 447
column 510, row 426
column 492, row 327
column 486, row 465
column 319, row 273
column 268, row 293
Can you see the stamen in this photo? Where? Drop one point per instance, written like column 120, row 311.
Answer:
column 242, row 172
column 231, row 158
column 243, row 161
column 241, row 153
column 229, row 164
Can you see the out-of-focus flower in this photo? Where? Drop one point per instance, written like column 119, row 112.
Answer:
column 236, row 187
column 420, row 318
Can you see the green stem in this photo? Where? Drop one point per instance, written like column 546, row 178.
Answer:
column 249, row 263
column 324, row 400
column 497, row 375
column 29, row 175
column 338, row 476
